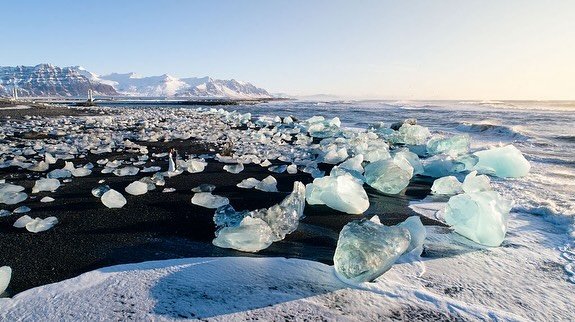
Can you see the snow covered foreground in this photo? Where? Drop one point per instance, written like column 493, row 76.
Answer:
column 522, row 280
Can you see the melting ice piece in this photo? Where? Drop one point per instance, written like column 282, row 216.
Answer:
column 208, row 200
column 126, row 171
column 99, row 190
column 251, row 235
column 81, row 172
column 47, row 199
column 446, row 186
column 38, row 225
column 475, row 183
column 265, row 163
column 505, row 162
column 292, row 169
column 455, row 145
column 11, row 194
column 343, row 193
column 113, row 199
column 59, row 173
column 388, row 176
column 282, row 219
column 234, row 168
column 137, row 188
column 479, row 216
column 195, row 166
column 278, row 168
column 204, row 187
column 22, row 221
column 5, row 276
column 416, row 230
column 169, row 190
column 413, row 134
column 39, row 167
column 151, row 169
column 21, row 210
column 4, row 213
column 365, row 250
column 46, row 185
column 268, row 184
column 248, row 183
column 48, row 158
column 335, row 156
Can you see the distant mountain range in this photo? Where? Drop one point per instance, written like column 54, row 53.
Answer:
column 48, row 80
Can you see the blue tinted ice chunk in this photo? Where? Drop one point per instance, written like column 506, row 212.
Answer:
column 388, row 176
column 505, row 162
column 365, row 250
column 455, row 145
column 342, row 192
column 479, row 216
column 446, row 186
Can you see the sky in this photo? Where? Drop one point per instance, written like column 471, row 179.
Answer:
column 444, row 49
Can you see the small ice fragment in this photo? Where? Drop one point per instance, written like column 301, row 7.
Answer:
column 446, row 186
column 416, row 230
column 234, row 168
column 292, row 169
column 388, row 176
column 39, row 167
column 365, row 250
column 208, row 200
column 169, row 190
column 268, row 184
column 252, row 235
column 100, row 190
column 59, row 174
column 353, row 164
column 38, row 225
column 113, row 199
column 204, row 187
column 5, row 276
column 476, row 183
column 248, row 183
column 81, row 172
column 47, row 199
column 126, row 171
column 505, row 162
column 46, row 185
column 137, row 188
column 343, row 193
column 266, row 163
column 278, row 168
column 479, row 216
column 21, row 210
column 4, row 213
column 22, row 221
column 151, row 169
column 48, row 158
column 12, row 198
column 196, row 166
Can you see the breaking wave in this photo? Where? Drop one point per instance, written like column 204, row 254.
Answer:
column 490, row 127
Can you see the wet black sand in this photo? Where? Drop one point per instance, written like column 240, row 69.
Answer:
column 161, row 225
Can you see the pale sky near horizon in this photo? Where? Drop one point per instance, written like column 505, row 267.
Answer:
column 447, row 49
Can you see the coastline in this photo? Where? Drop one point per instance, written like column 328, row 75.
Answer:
column 159, row 225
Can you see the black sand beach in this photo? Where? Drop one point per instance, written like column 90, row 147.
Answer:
column 159, row 225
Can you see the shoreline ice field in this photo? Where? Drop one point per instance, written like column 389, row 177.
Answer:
column 492, row 183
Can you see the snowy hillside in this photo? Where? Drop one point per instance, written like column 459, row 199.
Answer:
column 49, row 80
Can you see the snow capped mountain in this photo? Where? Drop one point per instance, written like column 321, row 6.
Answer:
column 49, row 80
